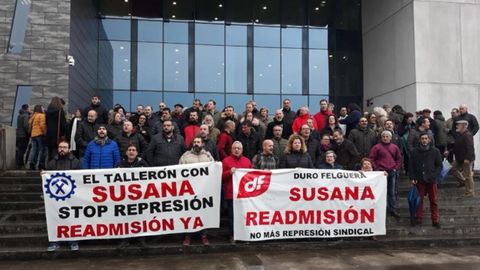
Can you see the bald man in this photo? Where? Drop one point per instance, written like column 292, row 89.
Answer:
column 470, row 118
column 266, row 160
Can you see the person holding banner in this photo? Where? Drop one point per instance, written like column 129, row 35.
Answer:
column 196, row 154
column 347, row 154
column 425, row 165
column 102, row 152
column 330, row 163
column 265, row 160
column 132, row 160
column 63, row 161
column 296, row 155
column 230, row 164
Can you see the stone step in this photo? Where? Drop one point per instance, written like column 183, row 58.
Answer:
column 20, row 205
column 20, row 173
column 18, row 187
column 23, row 215
column 20, row 180
column 7, row 228
column 21, row 196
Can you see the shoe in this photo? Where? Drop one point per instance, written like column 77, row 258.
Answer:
column 186, row 241
column 415, row 222
column 436, row 225
column 469, row 194
column 74, row 247
column 205, row 241
column 395, row 215
column 373, row 238
column 232, row 240
column 460, row 184
column 53, row 247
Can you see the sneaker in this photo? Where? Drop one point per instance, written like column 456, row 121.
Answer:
column 74, row 247
column 186, row 241
column 396, row 215
column 232, row 240
column 205, row 240
column 436, row 225
column 460, row 184
column 469, row 194
column 53, row 247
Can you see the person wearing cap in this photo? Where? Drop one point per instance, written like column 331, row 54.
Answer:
column 462, row 155
column 177, row 115
column 102, row 152
column 470, row 118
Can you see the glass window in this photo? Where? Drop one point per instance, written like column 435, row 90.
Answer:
column 296, row 101
column 292, row 37
column 114, row 64
column 172, row 98
column 176, row 67
column 209, row 68
column 266, row 71
column 115, row 29
column 318, row 38
column 24, row 92
column 238, row 102
column 272, row 102
column 267, row 36
column 19, row 26
column 292, row 71
column 236, row 35
column 176, row 32
column 209, row 34
column 145, row 98
column 149, row 66
column 219, row 99
column 318, row 72
column 122, row 98
column 236, row 69
column 150, row 31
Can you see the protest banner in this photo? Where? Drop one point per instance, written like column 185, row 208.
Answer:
column 131, row 202
column 304, row 203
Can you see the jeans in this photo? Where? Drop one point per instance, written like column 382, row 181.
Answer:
column 22, row 144
column 38, row 152
column 392, row 178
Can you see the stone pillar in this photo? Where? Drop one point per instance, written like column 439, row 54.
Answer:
column 7, row 147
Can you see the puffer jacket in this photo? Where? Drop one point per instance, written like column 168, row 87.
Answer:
column 101, row 156
column 296, row 160
column 38, row 124
column 442, row 131
column 425, row 164
column 162, row 152
column 190, row 157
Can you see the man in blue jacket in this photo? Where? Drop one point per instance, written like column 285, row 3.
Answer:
column 101, row 152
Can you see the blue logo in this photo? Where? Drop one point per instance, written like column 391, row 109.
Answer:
column 60, row 186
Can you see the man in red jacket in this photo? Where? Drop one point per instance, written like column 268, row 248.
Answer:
column 225, row 139
column 321, row 117
column 230, row 164
column 191, row 128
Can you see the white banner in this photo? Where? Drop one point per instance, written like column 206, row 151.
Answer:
column 120, row 203
column 304, row 203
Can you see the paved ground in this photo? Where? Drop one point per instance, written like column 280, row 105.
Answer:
column 393, row 259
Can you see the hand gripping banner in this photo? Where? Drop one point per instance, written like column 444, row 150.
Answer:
column 306, row 203
column 120, row 203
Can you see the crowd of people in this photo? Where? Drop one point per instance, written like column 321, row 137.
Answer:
column 389, row 139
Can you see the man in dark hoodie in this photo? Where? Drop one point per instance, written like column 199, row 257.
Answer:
column 128, row 137
column 86, row 131
column 442, row 131
column 289, row 114
column 22, row 135
column 353, row 117
column 279, row 120
column 363, row 137
column 102, row 113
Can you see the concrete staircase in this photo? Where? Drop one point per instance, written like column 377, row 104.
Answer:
column 23, row 227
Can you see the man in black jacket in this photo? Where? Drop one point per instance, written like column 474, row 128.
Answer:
column 279, row 120
column 313, row 145
column 63, row 161
column 132, row 160
column 250, row 140
column 128, row 137
column 22, row 135
column 470, row 118
column 102, row 113
column 208, row 144
column 347, row 154
column 86, row 131
column 289, row 114
column 165, row 148
column 463, row 152
column 425, row 165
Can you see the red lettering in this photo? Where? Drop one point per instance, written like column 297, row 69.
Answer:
column 308, row 197
column 336, row 194
column 322, row 194
column 351, row 194
column 186, row 188
column 62, row 231
column 263, row 218
column 134, row 191
column 151, row 191
column 89, row 231
column 101, row 194
column 329, row 216
column 114, row 196
column 291, row 217
column 76, row 231
column 367, row 216
column 277, row 218
column 251, row 219
column 367, row 194
column 294, row 194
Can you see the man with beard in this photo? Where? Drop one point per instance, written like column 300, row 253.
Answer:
column 250, row 140
column 313, row 146
column 208, row 144
column 151, row 117
column 165, row 116
column 212, row 110
column 196, row 107
column 178, row 114
column 102, row 152
column 321, row 117
column 425, row 165
column 129, row 136
column 279, row 120
column 191, row 129
column 196, row 155
column 165, row 148
column 225, row 139
column 102, row 113
column 289, row 114
column 86, row 131
column 134, row 117
column 63, row 161
column 279, row 143
column 470, row 118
